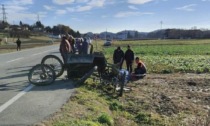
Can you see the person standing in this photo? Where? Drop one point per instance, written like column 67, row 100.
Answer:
column 65, row 48
column 18, row 42
column 71, row 42
column 118, row 56
column 85, row 46
column 80, row 45
column 129, row 58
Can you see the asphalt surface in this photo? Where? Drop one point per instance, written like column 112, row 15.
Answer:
column 22, row 103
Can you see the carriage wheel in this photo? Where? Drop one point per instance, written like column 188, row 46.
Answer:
column 41, row 74
column 54, row 62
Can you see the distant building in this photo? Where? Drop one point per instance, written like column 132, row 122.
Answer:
column 36, row 29
column 121, row 35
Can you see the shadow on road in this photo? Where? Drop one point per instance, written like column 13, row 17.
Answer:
column 57, row 85
column 28, row 67
column 12, row 81
column 13, row 85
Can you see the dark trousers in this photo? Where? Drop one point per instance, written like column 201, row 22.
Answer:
column 18, row 47
column 129, row 66
column 120, row 63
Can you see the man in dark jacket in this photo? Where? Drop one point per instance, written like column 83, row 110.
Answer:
column 18, row 42
column 118, row 56
column 129, row 58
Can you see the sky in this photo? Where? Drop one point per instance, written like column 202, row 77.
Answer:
column 110, row 15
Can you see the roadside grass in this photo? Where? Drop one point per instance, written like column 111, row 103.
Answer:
column 91, row 107
column 32, row 42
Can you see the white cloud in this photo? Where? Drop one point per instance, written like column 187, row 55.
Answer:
column 61, row 12
column 82, row 1
column 18, row 13
column 70, row 9
column 96, row 3
column 63, row 2
column 21, row 17
column 83, row 8
column 48, row 7
column 139, row 1
column 18, row 10
column 88, row 5
column 17, row 2
column 130, row 13
column 13, row 9
column 22, row 2
column 126, row 14
column 104, row 16
column 76, row 19
column 133, row 7
column 187, row 7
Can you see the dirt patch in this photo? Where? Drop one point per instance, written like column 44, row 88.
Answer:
column 171, row 95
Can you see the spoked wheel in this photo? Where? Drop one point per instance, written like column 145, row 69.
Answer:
column 55, row 63
column 41, row 74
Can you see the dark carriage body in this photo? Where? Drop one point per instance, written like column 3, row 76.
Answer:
column 79, row 64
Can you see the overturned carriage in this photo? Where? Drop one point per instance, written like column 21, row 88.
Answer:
column 79, row 65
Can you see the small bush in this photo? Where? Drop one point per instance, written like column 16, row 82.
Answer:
column 167, row 71
column 147, row 119
column 143, row 118
column 106, row 119
column 115, row 106
column 76, row 123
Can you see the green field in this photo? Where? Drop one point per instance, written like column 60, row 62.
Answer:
column 169, row 56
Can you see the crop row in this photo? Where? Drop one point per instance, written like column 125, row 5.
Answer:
column 170, row 64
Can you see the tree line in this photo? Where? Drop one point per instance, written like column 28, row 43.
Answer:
column 180, row 34
column 25, row 30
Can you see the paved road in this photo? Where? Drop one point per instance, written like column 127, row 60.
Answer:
column 22, row 103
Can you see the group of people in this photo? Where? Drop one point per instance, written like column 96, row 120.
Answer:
column 69, row 44
column 119, row 56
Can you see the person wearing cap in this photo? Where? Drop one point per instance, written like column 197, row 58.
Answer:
column 118, row 57
column 129, row 58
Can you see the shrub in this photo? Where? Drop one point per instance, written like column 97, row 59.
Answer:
column 106, row 119
column 115, row 106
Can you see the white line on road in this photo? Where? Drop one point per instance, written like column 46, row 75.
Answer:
column 14, row 60
column 8, row 103
column 43, row 52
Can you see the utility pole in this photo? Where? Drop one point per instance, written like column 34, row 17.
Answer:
column 4, row 14
column 4, row 21
column 161, row 23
